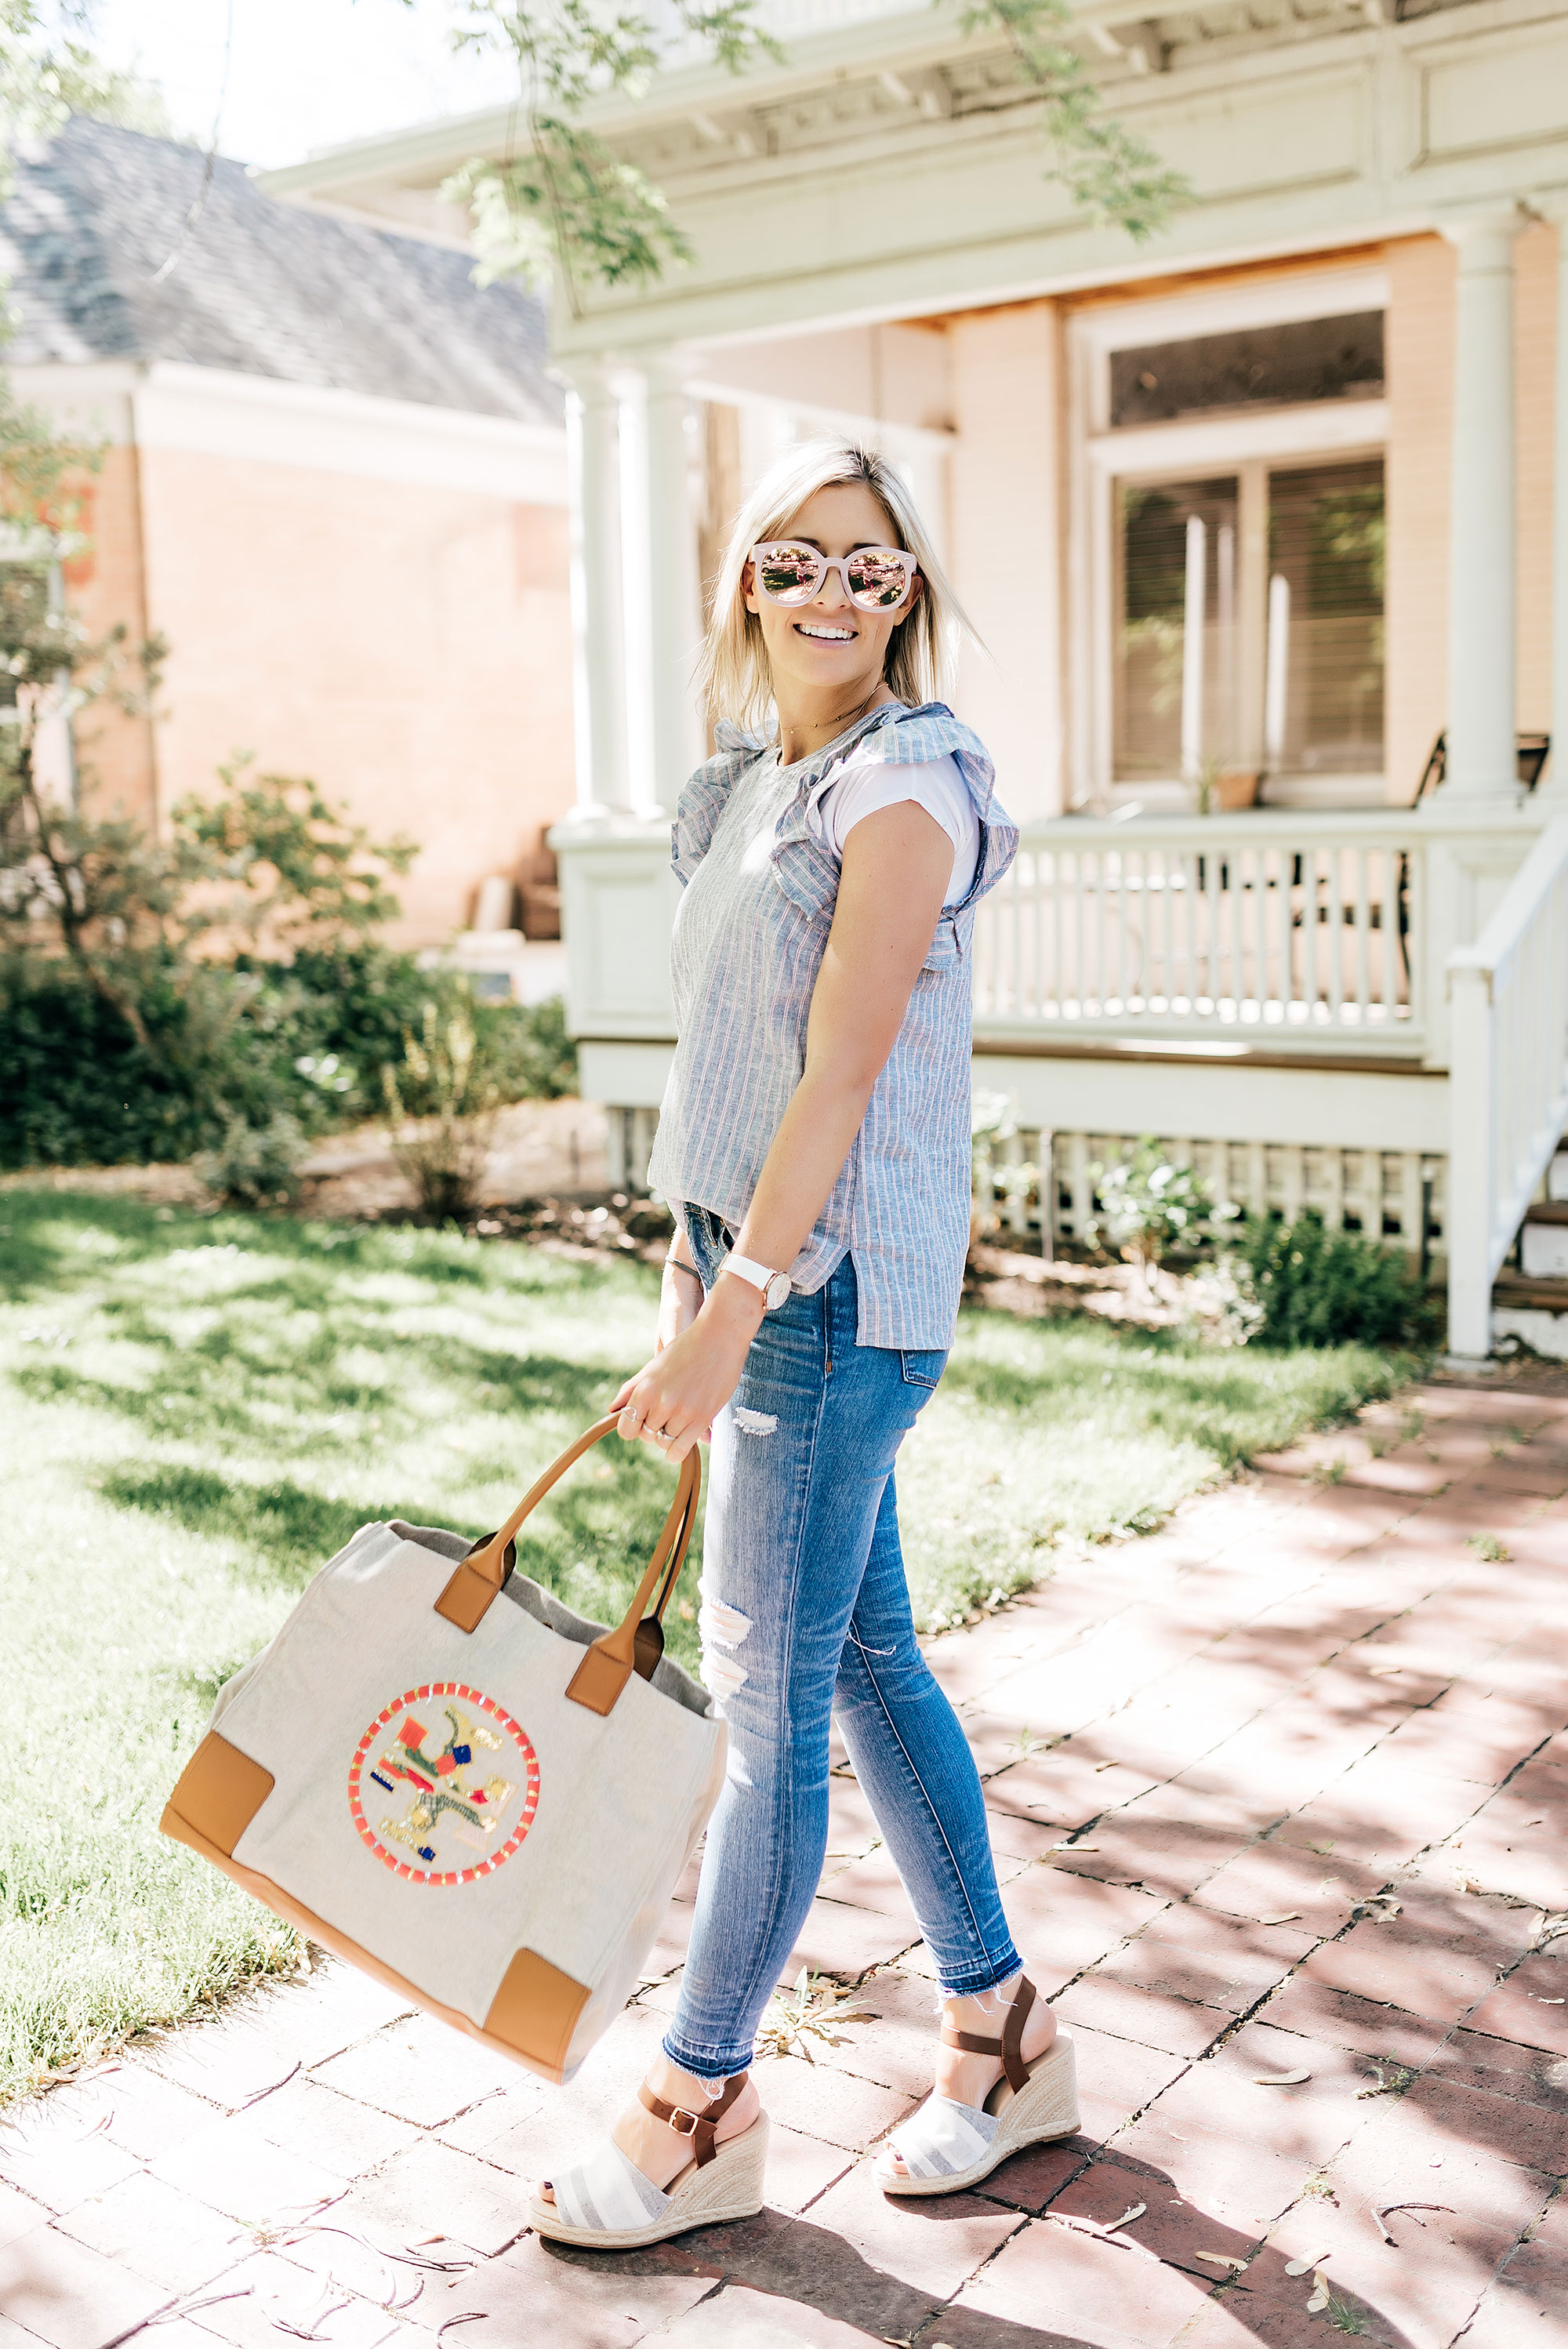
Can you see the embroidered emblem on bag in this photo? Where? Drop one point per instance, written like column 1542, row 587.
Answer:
column 441, row 1773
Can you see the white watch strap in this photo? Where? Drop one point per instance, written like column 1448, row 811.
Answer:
column 758, row 1275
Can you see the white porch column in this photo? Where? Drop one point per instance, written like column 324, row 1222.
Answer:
column 664, row 609
column 597, row 642
column 1481, row 763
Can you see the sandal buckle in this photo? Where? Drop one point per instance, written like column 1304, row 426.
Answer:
column 693, row 2122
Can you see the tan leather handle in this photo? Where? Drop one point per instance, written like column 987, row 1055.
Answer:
column 669, row 1551
column 491, row 1559
column 610, row 1660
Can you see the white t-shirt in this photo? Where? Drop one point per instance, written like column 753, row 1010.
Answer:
column 860, row 787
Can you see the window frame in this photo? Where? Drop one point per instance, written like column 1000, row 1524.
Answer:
column 1247, row 442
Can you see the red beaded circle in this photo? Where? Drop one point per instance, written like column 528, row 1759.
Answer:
column 380, row 1777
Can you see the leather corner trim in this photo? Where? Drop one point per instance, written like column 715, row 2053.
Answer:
column 466, row 1599
column 271, row 1895
column 598, row 1680
column 219, row 1794
column 534, row 2013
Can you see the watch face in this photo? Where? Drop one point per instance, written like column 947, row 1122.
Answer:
column 777, row 1291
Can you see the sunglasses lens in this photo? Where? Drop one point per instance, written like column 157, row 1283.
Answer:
column 788, row 573
column 876, row 579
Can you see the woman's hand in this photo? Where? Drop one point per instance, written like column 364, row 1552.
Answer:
column 672, row 1403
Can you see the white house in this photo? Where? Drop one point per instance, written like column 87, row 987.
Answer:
column 1252, row 511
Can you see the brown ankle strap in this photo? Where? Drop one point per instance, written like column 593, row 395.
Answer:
column 698, row 2127
column 1010, row 2046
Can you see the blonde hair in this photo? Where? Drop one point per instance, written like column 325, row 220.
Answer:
column 734, row 674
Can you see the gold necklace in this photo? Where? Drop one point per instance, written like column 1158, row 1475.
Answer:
column 838, row 724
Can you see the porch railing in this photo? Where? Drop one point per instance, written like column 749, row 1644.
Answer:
column 1508, row 1047
column 1268, row 925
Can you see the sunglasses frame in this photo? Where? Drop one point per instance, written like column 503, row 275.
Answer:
column 838, row 563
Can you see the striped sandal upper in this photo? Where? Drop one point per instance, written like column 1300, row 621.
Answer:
column 610, row 2194
column 944, row 2137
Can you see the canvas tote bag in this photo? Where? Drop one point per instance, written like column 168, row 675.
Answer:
column 441, row 1773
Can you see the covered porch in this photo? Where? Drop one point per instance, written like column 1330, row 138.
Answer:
column 1270, row 988
column 1246, row 518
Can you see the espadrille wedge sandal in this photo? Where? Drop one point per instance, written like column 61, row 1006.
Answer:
column 607, row 2203
column 946, row 2146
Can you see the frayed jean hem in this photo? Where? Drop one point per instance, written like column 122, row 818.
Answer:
column 702, row 2063
column 989, row 1974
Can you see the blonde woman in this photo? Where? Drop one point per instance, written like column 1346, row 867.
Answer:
column 815, row 1131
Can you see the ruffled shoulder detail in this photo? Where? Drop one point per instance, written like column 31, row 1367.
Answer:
column 913, row 737
column 705, row 794
column 807, row 872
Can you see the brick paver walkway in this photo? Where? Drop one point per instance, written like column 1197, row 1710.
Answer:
column 1279, row 1794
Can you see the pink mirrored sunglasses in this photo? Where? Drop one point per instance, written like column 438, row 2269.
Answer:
column 874, row 578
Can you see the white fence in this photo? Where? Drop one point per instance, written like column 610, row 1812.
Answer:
column 1508, row 1042
column 1306, row 943
column 1398, row 1196
column 1274, row 926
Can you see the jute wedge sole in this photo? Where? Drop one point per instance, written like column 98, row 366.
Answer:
column 727, row 2188
column 1047, row 2108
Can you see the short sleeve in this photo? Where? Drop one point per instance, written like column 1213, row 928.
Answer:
column 857, row 790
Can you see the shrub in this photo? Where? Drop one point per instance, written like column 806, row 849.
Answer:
column 1322, row 1288
column 257, row 1165
column 443, row 1087
column 1148, row 1203
column 168, row 1018
column 526, row 1048
column 993, row 1119
column 159, row 993
column 76, row 1084
column 307, row 1039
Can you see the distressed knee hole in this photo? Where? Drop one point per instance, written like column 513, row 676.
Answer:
column 754, row 1423
column 722, row 1628
column 722, row 1676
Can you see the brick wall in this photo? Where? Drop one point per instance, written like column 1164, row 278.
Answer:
column 407, row 647
column 1419, row 358
column 1535, row 296
column 116, row 754
column 1005, row 543
column 1421, row 351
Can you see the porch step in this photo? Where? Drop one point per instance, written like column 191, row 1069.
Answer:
column 1530, row 1304
column 1525, row 1289
column 1543, row 1237
column 1532, row 1309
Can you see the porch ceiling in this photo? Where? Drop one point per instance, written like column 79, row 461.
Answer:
column 1300, row 125
column 876, row 66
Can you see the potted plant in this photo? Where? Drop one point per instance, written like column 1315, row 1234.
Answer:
column 1223, row 785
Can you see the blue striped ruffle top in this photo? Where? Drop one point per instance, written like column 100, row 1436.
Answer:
column 756, row 904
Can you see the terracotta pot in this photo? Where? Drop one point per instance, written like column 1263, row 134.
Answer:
column 1238, row 788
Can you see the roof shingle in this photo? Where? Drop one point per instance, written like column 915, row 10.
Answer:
column 259, row 287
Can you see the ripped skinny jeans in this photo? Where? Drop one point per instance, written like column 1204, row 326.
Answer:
column 805, row 1615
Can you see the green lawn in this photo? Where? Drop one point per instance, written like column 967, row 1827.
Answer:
column 196, row 1411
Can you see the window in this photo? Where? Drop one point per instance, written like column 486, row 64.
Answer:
column 1269, row 666
column 1226, row 555
column 1176, row 650
column 1323, row 701
column 1306, row 360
